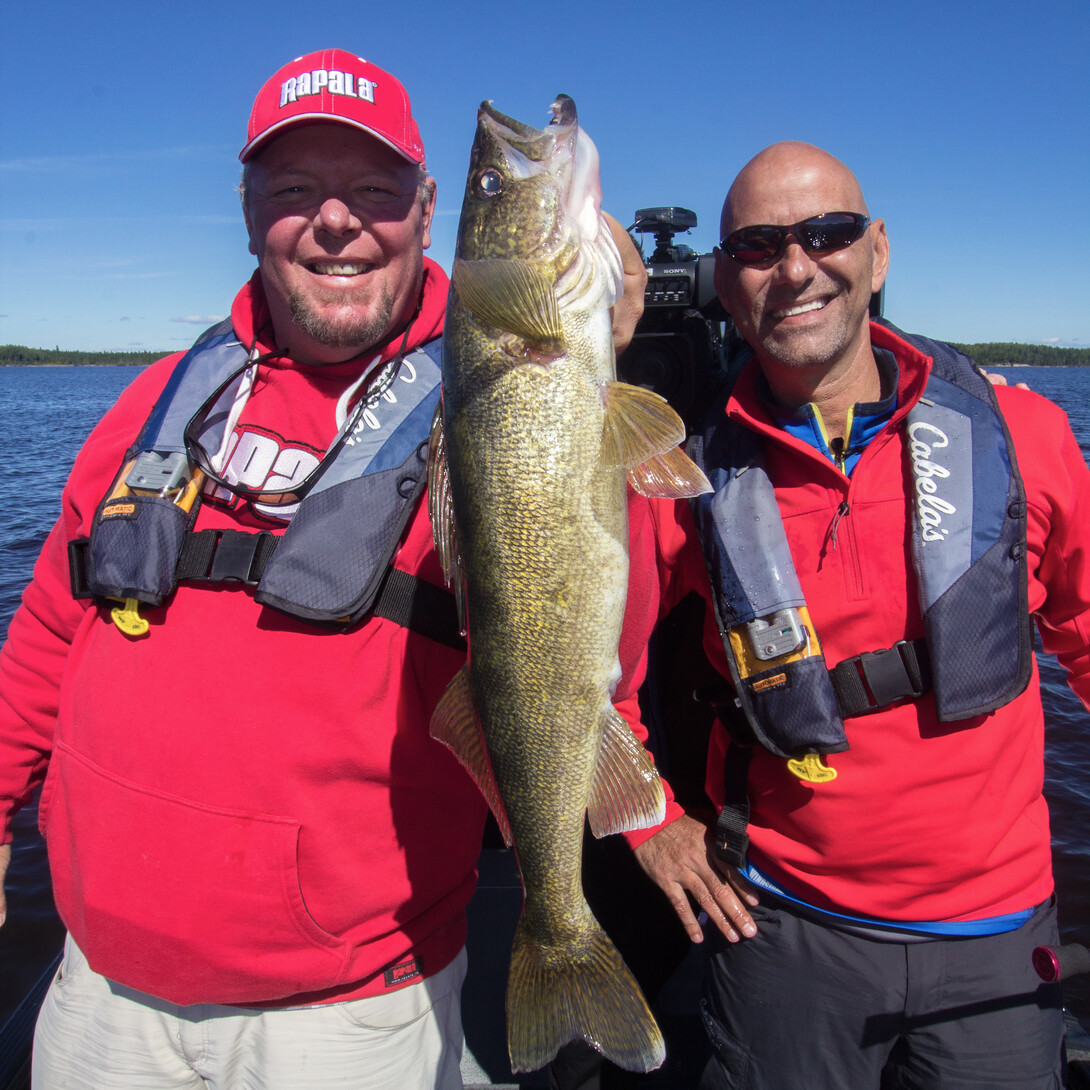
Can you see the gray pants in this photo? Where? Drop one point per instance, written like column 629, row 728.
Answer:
column 802, row 1005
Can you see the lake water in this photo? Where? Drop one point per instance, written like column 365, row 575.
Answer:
column 48, row 411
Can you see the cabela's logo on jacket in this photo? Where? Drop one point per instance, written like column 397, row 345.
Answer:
column 924, row 440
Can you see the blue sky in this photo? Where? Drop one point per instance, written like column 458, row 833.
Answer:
column 967, row 124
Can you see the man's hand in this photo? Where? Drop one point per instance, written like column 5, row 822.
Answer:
column 996, row 379
column 5, row 859
column 680, row 859
column 627, row 310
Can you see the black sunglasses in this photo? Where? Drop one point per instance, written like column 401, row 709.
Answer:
column 764, row 243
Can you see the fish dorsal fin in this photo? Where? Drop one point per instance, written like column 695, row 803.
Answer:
column 626, row 793
column 444, row 531
column 642, row 433
column 457, row 725
column 514, row 296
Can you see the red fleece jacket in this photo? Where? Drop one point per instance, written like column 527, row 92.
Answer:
column 925, row 821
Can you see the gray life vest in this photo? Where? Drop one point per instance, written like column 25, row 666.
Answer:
column 334, row 557
column 969, row 555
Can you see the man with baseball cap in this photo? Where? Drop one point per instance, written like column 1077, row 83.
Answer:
column 226, row 664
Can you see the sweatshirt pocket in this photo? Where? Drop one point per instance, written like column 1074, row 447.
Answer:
column 187, row 902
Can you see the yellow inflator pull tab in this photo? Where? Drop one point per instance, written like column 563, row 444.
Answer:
column 127, row 618
column 811, row 768
column 178, row 482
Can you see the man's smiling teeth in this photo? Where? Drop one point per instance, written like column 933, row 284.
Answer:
column 340, row 268
column 802, row 308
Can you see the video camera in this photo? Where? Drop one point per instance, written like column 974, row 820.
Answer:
column 677, row 349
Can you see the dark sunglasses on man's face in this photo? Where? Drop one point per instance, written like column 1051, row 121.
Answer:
column 764, row 243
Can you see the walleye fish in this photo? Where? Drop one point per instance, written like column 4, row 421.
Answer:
column 528, row 462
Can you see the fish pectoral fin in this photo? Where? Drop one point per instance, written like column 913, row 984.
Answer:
column 440, row 508
column 626, row 793
column 440, row 503
column 457, row 725
column 643, row 434
column 582, row 990
column 639, row 424
column 444, row 531
column 672, row 475
column 514, row 296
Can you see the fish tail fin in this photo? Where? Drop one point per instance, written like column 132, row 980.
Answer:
column 556, row 995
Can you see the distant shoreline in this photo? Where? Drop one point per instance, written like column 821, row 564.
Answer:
column 18, row 355
column 113, row 363
column 107, row 363
column 988, row 355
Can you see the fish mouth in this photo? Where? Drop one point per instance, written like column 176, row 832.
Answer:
column 536, row 144
column 580, row 250
column 561, row 148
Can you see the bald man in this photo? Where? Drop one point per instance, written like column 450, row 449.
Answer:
column 884, row 525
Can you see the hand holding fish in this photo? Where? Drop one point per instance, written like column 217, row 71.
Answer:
column 627, row 311
column 680, row 859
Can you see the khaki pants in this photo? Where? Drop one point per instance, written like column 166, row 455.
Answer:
column 93, row 1033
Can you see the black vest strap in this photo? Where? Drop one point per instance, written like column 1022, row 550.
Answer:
column 421, row 606
column 873, row 680
column 731, row 838
column 226, row 556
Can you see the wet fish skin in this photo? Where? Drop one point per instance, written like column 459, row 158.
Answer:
column 528, row 501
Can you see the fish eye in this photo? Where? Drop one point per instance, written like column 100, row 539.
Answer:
column 488, row 183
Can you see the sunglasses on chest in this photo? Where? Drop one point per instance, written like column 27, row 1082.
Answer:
column 764, row 243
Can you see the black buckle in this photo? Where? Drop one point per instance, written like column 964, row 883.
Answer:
column 892, row 673
column 233, row 561
column 78, row 551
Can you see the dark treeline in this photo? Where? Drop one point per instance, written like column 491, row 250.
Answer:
column 1026, row 355
column 16, row 355
column 987, row 355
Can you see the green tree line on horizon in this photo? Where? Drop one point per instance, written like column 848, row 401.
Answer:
column 1025, row 355
column 17, row 355
column 987, row 355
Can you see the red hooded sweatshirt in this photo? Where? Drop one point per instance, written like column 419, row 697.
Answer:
column 241, row 807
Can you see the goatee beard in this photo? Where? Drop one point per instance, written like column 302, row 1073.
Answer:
column 337, row 332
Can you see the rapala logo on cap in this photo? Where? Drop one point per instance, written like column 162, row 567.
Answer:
column 401, row 974
column 119, row 511
column 776, row 681
column 336, row 83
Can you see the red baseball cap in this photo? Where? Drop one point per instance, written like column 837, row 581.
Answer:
column 333, row 85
